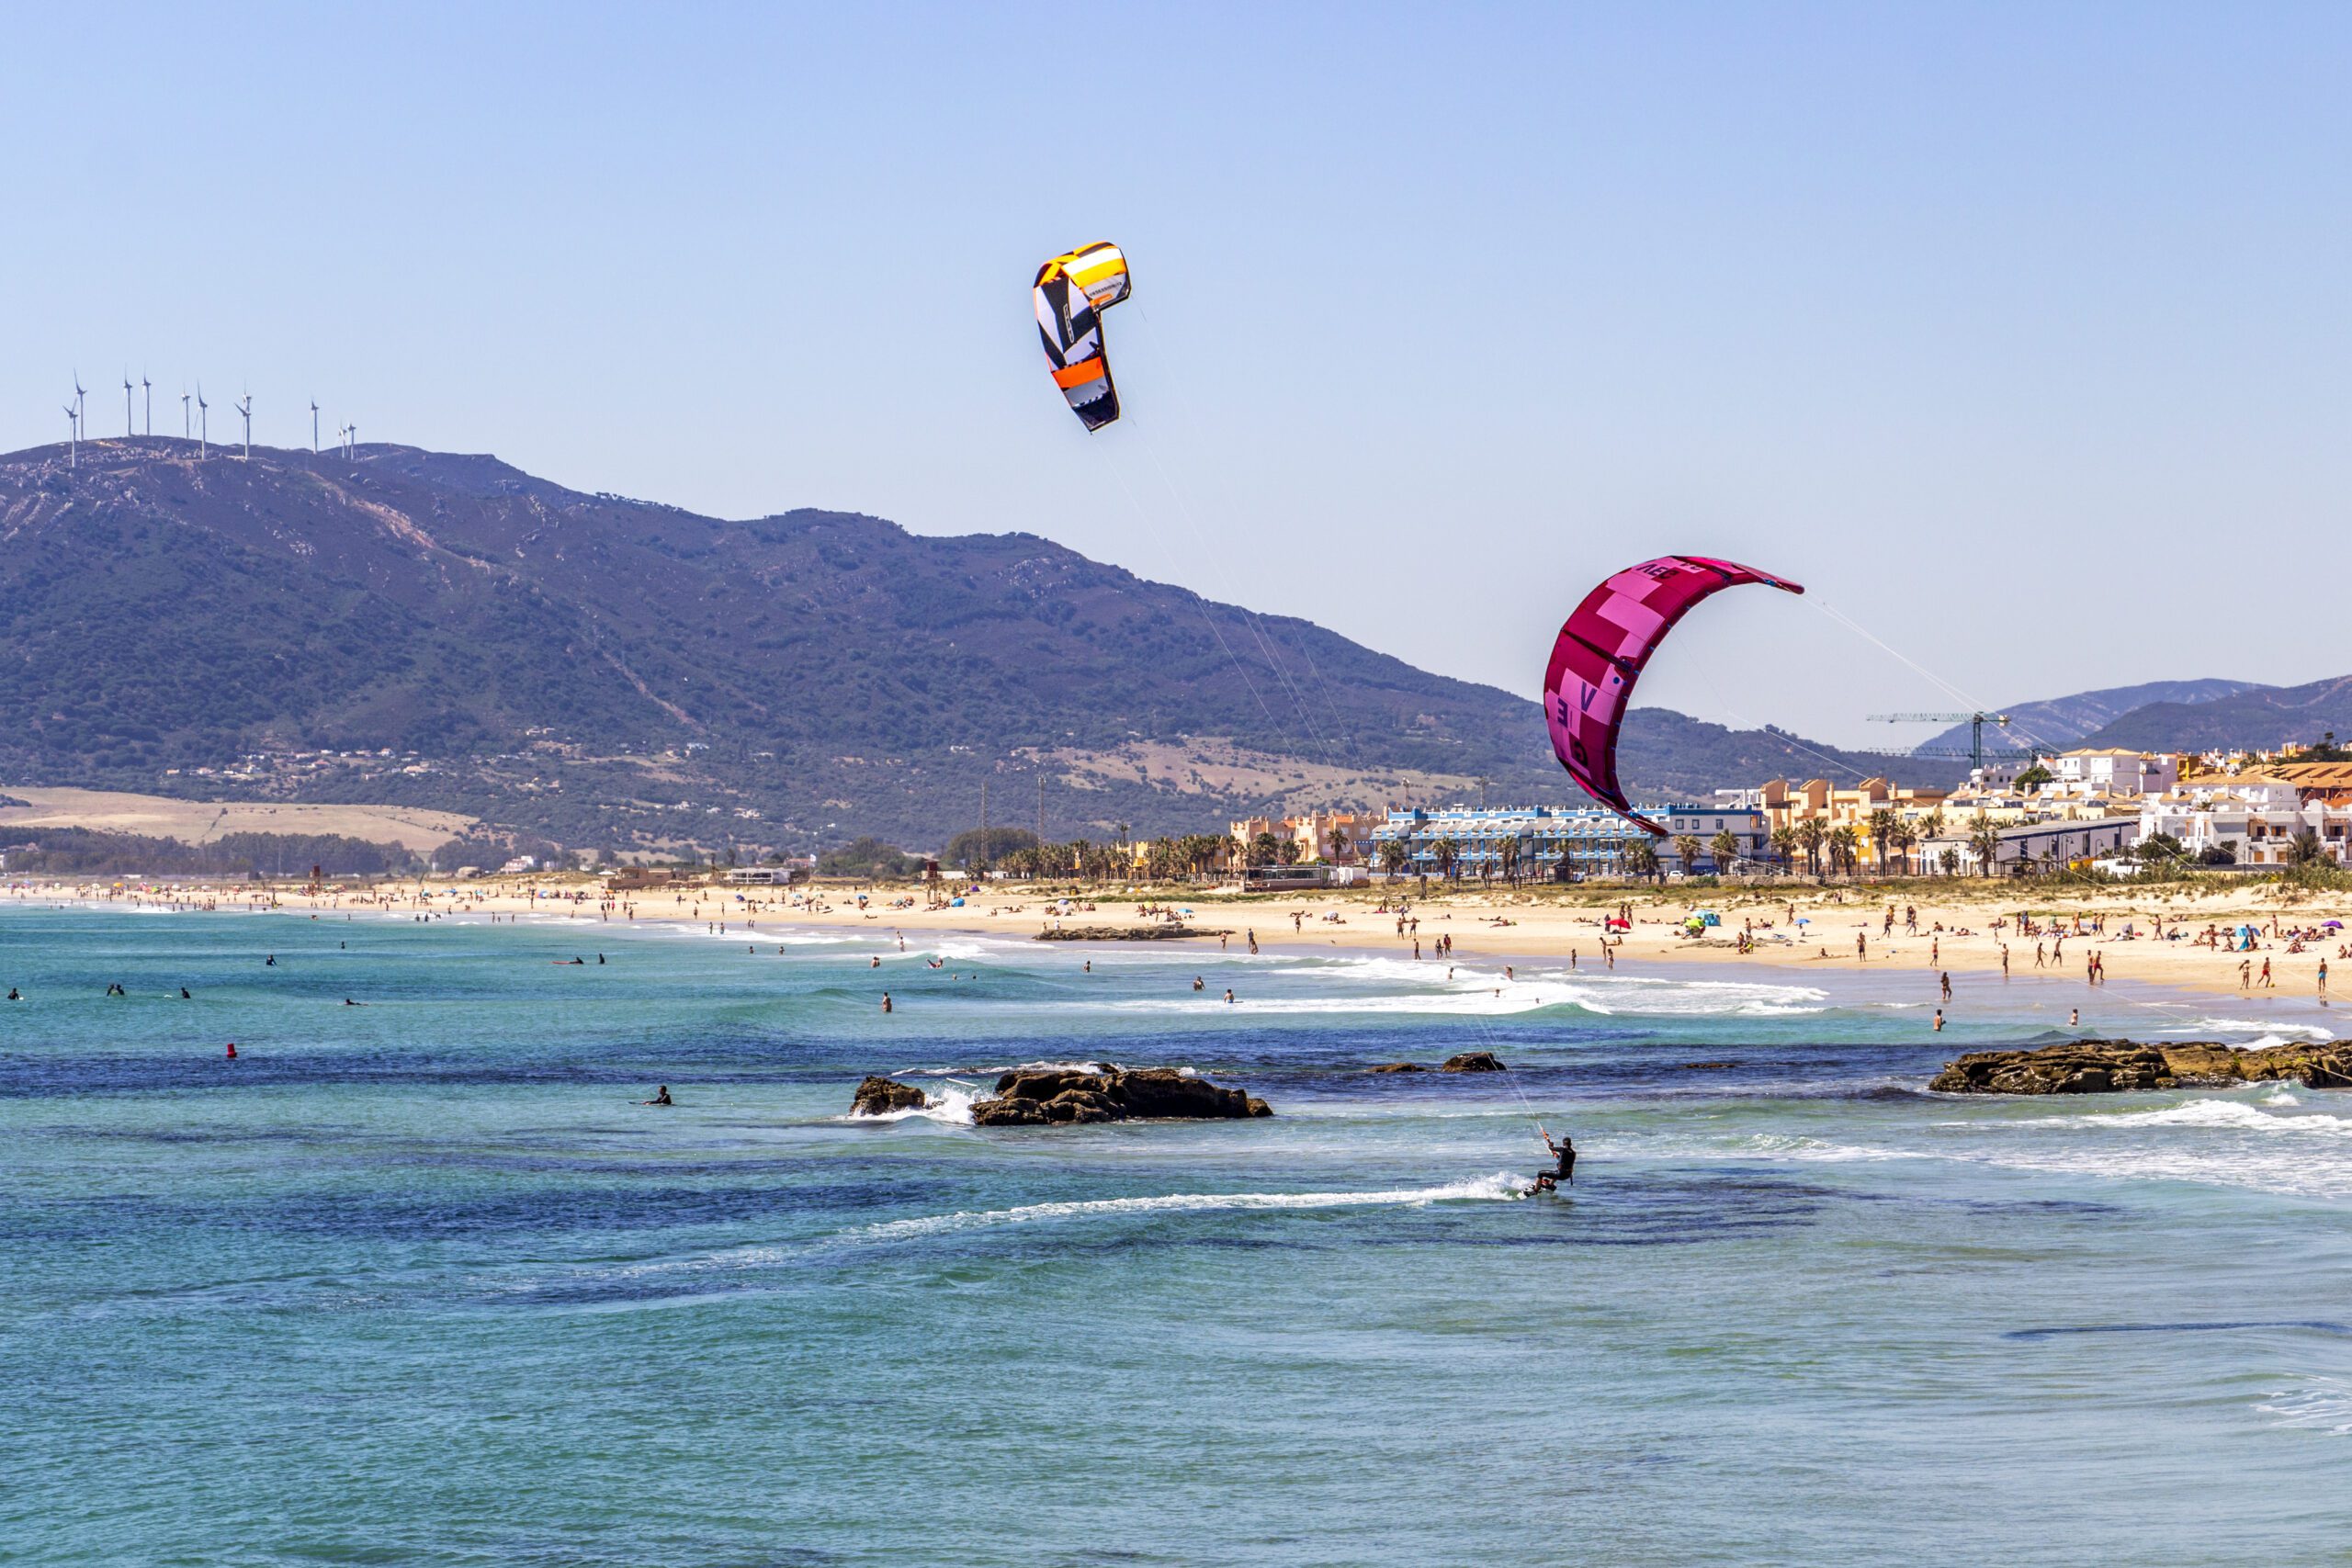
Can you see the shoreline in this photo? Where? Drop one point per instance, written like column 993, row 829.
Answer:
column 1491, row 926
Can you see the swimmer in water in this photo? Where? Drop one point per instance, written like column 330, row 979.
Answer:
column 886, row 1001
column 661, row 1096
column 1228, row 993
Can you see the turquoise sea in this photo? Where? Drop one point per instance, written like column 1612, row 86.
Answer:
column 419, row 1281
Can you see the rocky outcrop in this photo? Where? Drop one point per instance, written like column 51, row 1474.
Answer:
column 877, row 1094
column 1397, row 1068
column 1122, row 934
column 1046, row 1097
column 1473, row 1062
column 2113, row 1067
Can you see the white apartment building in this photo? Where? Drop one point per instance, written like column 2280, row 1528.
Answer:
column 2252, row 815
column 2111, row 771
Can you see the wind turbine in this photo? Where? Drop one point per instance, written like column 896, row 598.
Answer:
column 203, row 426
column 80, row 405
column 126, row 405
column 246, row 408
column 150, row 387
column 73, row 438
column 314, row 427
column 187, row 429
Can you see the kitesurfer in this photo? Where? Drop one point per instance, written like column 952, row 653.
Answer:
column 1564, row 1155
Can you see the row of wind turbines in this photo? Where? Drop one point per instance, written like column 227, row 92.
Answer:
column 193, row 424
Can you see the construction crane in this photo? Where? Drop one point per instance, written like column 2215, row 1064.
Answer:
column 1976, row 722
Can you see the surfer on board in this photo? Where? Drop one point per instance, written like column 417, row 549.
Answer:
column 1564, row 1153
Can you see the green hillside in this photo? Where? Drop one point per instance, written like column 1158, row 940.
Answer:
column 616, row 674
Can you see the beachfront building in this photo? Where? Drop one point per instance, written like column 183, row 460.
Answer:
column 2111, row 773
column 1336, row 837
column 1786, row 804
column 2029, row 844
column 2256, row 817
column 1556, row 842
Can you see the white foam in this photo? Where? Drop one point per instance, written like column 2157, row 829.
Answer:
column 950, row 1106
column 2324, row 1404
column 1492, row 994
column 1011, row 1067
column 1500, row 1186
column 2271, row 1033
column 2234, row 1114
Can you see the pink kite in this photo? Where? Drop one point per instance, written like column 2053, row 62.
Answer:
column 1600, row 653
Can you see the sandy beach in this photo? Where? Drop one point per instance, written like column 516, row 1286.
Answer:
column 1960, row 927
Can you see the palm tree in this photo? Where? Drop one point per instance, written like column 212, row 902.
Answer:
column 1932, row 824
column 1809, row 832
column 1882, row 827
column 1447, row 854
column 1263, row 850
column 1900, row 838
column 1846, row 846
column 1395, row 856
column 1726, row 847
column 1950, row 861
column 1286, row 851
column 1784, row 846
column 2303, row 849
column 1686, row 850
column 1985, row 839
column 1641, row 859
column 1506, row 855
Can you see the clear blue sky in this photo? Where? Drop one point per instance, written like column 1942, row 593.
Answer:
column 2018, row 332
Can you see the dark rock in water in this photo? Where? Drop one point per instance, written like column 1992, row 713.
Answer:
column 2112, row 1066
column 878, row 1094
column 1124, row 933
column 1397, row 1068
column 1473, row 1062
column 2086, row 1067
column 1045, row 1097
column 1707, row 1067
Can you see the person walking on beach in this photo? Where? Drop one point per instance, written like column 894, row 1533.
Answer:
column 2005, row 960
column 2322, row 978
column 1862, row 947
column 1947, row 979
column 2246, row 968
column 2268, row 984
column 2036, row 955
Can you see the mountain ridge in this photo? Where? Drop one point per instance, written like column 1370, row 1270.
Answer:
column 2058, row 722
column 612, row 671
